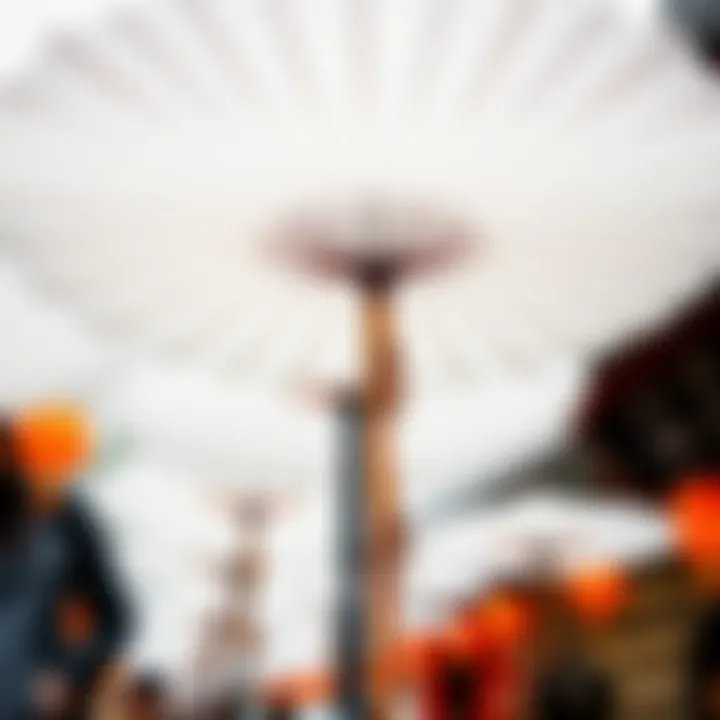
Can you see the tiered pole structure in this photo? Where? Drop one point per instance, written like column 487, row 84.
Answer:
column 375, row 250
column 242, row 576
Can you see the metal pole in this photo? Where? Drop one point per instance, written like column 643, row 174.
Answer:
column 351, row 668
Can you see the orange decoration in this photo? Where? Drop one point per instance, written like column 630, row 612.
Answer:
column 598, row 593
column 53, row 442
column 695, row 511
column 507, row 620
column 415, row 656
column 302, row 689
column 465, row 637
column 313, row 688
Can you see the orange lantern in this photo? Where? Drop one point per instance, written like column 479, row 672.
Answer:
column 598, row 593
column 695, row 509
column 426, row 655
column 507, row 620
column 311, row 688
column 416, row 655
column 53, row 442
column 465, row 637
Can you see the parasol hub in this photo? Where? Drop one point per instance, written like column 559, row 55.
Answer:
column 372, row 243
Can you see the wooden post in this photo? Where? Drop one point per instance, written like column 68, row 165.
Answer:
column 383, row 531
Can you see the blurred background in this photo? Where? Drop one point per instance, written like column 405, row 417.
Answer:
column 493, row 223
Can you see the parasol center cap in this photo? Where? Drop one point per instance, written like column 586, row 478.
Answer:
column 373, row 244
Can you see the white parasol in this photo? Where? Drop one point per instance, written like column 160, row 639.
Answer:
column 151, row 159
column 150, row 153
column 148, row 158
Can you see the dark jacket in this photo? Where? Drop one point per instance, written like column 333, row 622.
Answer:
column 31, row 572
column 92, row 577
column 53, row 558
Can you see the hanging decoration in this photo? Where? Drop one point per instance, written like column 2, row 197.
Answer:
column 415, row 656
column 54, row 442
column 507, row 619
column 465, row 637
column 695, row 509
column 302, row 689
column 598, row 593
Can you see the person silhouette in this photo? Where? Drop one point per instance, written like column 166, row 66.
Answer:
column 72, row 563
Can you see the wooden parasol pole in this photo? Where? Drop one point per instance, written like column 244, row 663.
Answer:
column 379, row 477
column 386, row 247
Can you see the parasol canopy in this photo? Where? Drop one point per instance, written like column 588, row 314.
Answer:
column 151, row 154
